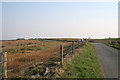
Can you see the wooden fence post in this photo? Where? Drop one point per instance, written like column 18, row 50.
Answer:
column 73, row 47
column 78, row 44
column 4, row 65
column 61, row 54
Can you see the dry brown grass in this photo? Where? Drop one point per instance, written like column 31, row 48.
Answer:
column 33, row 48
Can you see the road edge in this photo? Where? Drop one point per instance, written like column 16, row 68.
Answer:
column 101, row 68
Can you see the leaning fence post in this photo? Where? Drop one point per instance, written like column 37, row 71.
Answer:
column 61, row 54
column 4, row 65
column 73, row 47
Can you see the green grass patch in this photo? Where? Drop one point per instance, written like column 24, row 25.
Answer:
column 114, row 45
column 85, row 65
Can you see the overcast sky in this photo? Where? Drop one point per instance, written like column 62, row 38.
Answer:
column 59, row 19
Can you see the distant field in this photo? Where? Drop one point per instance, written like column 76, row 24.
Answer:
column 111, row 39
column 113, row 42
column 32, row 50
column 64, row 39
column 27, row 46
column 105, row 40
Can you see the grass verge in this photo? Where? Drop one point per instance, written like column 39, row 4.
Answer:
column 85, row 65
column 114, row 45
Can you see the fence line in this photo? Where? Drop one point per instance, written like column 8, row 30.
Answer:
column 64, row 50
column 29, row 63
column 40, row 59
column 16, row 58
column 22, row 56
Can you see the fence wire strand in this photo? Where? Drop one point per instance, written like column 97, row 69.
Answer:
column 30, row 63
column 41, row 57
column 66, row 50
column 20, row 57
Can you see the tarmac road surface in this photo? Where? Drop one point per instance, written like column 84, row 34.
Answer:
column 108, row 58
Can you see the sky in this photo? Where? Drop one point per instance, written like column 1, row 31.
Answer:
column 59, row 19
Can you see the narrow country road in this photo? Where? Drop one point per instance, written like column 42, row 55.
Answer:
column 108, row 58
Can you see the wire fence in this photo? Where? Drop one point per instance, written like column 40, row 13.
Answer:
column 31, row 62
column 18, row 65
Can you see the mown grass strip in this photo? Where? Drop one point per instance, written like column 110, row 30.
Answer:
column 85, row 65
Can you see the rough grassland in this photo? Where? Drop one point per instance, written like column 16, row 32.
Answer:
column 28, row 52
column 85, row 65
